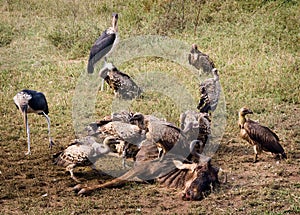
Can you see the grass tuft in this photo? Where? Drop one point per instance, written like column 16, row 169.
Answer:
column 6, row 34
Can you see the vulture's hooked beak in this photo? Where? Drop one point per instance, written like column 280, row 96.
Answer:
column 132, row 119
column 250, row 111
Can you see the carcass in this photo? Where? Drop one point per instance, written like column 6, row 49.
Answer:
column 194, row 179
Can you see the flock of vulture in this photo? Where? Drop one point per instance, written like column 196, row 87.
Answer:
column 160, row 150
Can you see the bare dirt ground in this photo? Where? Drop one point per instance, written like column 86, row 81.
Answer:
column 33, row 185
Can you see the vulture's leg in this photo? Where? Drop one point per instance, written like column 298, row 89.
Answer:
column 255, row 153
column 70, row 168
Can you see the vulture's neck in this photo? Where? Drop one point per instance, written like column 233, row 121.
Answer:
column 141, row 124
column 215, row 74
column 242, row 120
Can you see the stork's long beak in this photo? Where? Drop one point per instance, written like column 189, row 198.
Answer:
column 24, row 108
column 114, row 20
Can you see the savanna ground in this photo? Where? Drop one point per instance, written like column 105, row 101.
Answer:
column 44, row 45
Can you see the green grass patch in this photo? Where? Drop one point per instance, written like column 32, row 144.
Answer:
column 44, row 45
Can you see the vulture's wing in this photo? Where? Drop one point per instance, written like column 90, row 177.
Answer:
column 268, row 140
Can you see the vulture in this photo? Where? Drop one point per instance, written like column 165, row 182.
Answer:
column 123, row 116
column 80, row 152
column 122, row 84
column 164, row 134
column 204, row 102
column 200, row 60
column 261, row 137
column 212, row 87
column 123, row 138
column 196, row 126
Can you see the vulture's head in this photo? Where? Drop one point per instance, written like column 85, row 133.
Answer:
column 215, row 72
column 194, row 56
column 104, row 71
column 138, row 119
column 202, row 89
column 244, row 111
column 194, row 48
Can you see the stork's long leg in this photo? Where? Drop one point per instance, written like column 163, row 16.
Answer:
column 102, row 81
column 51, row 143
column 102, row 84
column 27, row 131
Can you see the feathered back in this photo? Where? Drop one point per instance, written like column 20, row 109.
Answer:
column 122, row 84
column 268, row 140
column 165, row 133
column 200, row 60
column 77, row 155
column 124, row 131
column 80, row 152
column 212, row 88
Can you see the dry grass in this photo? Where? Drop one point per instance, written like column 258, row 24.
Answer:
column 255, row 44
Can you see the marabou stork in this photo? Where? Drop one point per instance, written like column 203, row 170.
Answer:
column 31, row 101
column 261, row 137
column 104, row 45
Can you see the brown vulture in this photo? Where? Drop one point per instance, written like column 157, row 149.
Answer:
column 123, row 85
column 164, row 134
column 200, row 60
column 261, row 137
